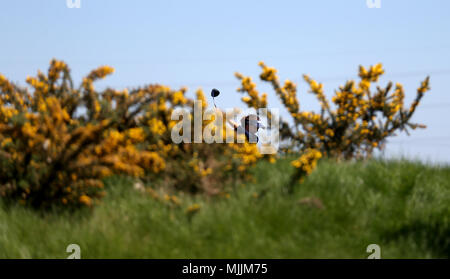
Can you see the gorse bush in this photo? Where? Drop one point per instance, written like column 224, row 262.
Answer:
column 358, row 122
column 58, row 142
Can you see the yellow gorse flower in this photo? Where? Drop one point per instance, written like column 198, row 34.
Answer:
column 192, row 209
column 85, row 200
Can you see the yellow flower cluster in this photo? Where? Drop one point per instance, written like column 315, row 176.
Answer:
column 287, row 93
column 178, row 98
column 306, row 163
column 268, row 73
column 136, row 135
column 83, row 200
column 200, row 96
column 100, row 73
column 156, row 126
column 56, row 67
column 372, row 74
column 192, row 209
column 317, row 89
column 247, row 154
column 253, row 99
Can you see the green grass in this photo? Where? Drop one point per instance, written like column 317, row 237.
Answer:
column 402, row 206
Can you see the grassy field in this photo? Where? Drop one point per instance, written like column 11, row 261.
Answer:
column 339, row 210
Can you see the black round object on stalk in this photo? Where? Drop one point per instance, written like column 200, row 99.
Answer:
column 215, row 93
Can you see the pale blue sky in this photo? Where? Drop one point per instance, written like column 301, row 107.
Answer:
column 202, row 43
